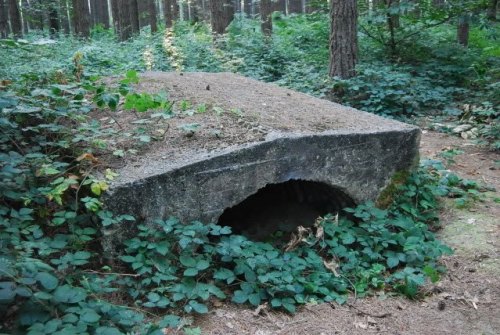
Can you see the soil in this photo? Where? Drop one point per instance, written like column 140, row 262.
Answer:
column 214, row 112
column 464, row 301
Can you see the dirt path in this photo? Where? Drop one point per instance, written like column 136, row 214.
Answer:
column 465, row 301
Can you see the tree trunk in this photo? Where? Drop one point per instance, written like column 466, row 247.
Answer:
column 175, row 9
column 15, row 18
column 266, row 19
column 93, row 12
column 65, row 20
column 54, row 26
column 237, row 6
column 492, row 10
column 24, row 15
column 152, row 16
column 121, row 18
column 463, row 30
column 134, row 13
column 294, row 6
column 103, row 13
column 278, row 6
column 343, row 38
column 4, row 20
column 81, row 18
column 222, row 14
column 168, row 13
column 247, row 7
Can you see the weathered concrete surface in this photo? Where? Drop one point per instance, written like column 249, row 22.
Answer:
column 357, row 154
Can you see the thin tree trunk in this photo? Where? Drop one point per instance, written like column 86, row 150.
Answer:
column 175, row 9
column 492, row 10
column 294, row 6
column 266, row 18
column 93, row 12
column 247, row 7
column 343, row 38
column 65, row 20
column 81, row 18
column 15, row 18
column 168, row 13
column 278, row 6
column 152, row 16
column 103, row 13
column 54, row 26
column 463, row 30
column 222, row 14
column 4, row 20
column 24, row 15
column 134, row 13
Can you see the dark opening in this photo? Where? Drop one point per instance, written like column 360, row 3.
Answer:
column 283, row 207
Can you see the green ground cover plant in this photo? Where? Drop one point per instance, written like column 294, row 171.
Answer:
column 53, row 278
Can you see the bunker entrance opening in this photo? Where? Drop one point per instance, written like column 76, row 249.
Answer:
column 276, row 210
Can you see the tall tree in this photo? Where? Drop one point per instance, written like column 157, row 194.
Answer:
column 463, row 30
column 168, row 13
column 278, row 6
column 4, row 20
column 294, row 6
column 54, row 25
column 65, row 19
column 247, row 7
column 15, row 18
column 492, row 10
column 222, row 12
column 134, row 14
column 343, row 38
column 103, row 13
column 81, row 18
column 266, row 17
column 152, row 16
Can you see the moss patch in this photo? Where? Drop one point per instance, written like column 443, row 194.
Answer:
column 386, row 197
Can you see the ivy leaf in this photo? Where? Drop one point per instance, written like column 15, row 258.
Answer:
column 108, row 331
column 198, row 307
column 225, row 274
column 69, row 295
column 392, row 261
column 202, row 265
column 187, row 261
column 47, row 280
column 190, row 272
column 89, row 316
column 239, row 297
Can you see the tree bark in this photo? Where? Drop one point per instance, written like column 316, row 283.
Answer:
column 134, row 14
column 343, row 38
column 266, row 19
column 152, row 16
column 4, row 20
column 81, row 18
column 65, row 20
column 463, row 30
column 222, row 12
column 175, row 9
column 15, row 18
column 294, row 6
column 247, row 7
column 492, row 10
column 93, row 12
column 103, row 13
column 54, row 26
column 278, row 6
column 168, row 13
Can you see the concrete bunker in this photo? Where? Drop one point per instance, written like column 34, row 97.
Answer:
column 259, row 144
column 283, row 207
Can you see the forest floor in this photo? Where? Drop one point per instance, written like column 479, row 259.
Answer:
column 465, row 301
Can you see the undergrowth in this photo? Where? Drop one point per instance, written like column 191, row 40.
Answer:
column 54, row 280
column 53, row 276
